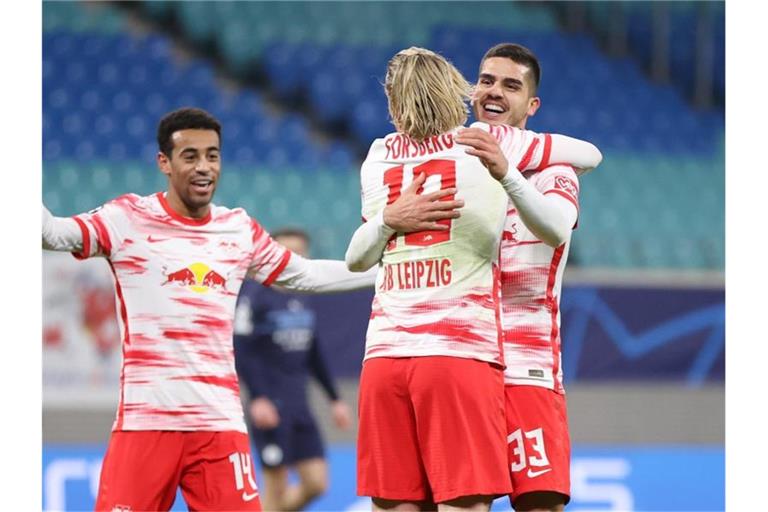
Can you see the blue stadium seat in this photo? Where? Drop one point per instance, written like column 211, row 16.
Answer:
column 52, row 149
column 284, row 70
column 104, row 93
column 326, row 98
column 339, row 157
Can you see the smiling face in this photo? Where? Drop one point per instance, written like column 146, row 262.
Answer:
column 193, row 169
column 505, row 93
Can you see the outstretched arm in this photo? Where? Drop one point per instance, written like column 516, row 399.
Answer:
column 61, row 233
column 410, row 212
column 273, row 264
column 322, row 276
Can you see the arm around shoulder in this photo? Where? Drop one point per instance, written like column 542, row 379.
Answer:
column 582, row 155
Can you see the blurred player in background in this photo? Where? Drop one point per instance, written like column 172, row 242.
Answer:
column 276, row 348
column 534, row 250
column 178, row 263
column 432, row 424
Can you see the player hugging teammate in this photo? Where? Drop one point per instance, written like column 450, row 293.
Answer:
column 435, row 414
column 461, row 396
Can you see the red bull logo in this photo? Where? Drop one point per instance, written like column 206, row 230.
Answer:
column 199, row 277
column 509, row 235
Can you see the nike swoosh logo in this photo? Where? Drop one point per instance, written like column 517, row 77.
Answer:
column 534, row 474
column 249, row 497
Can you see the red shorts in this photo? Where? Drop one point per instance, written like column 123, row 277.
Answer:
column 142, row 470
column 539, row 444
column 431, row 429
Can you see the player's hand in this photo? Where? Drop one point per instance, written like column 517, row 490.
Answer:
column 342, row 417
column 484, row 146
column 264, row 413
column 420, row 212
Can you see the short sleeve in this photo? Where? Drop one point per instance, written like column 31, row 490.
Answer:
column 103, row 229
column 268, row 258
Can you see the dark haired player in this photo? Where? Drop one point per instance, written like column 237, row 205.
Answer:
column 178, row 262
column 542, row 213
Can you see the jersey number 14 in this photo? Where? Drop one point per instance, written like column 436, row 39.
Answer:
column 393, row 178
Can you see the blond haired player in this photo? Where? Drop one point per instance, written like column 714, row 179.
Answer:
column 534, row 250
column 432, row 424
column 178, row 262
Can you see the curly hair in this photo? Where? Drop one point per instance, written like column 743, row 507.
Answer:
column 184, row 119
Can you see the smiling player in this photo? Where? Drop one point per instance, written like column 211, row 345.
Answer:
column 542, row 211
column 432, row 424
column 178, row 263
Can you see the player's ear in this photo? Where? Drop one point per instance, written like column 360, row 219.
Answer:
column 533, row 105
column 164, row 163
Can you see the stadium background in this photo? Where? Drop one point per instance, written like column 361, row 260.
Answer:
column 297, row 88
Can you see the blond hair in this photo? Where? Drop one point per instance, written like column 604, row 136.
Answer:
column 427, row 94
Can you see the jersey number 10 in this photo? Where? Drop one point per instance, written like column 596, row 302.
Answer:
column 393, row 178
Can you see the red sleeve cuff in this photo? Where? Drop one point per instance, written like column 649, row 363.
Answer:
column 86, row 252
column 105, row 244
column 279, row 269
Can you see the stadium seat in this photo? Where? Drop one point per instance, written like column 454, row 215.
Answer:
column 105, row 88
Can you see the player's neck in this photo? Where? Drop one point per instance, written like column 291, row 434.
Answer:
column 178, row 206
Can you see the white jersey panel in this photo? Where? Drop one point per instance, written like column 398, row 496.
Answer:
column 531, row 281
column 176, row 283
column 437, row 291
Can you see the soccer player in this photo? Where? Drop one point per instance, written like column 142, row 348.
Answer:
column 432, row 425
column 534, row 250
column 178, row 262
column 276, row 348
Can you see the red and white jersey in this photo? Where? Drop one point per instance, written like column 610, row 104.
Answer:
column 437, row 291
column 531, row 280
column 176, row 284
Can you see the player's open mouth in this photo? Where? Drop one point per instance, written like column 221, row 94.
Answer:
column 493, row 110
column 202, row 186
